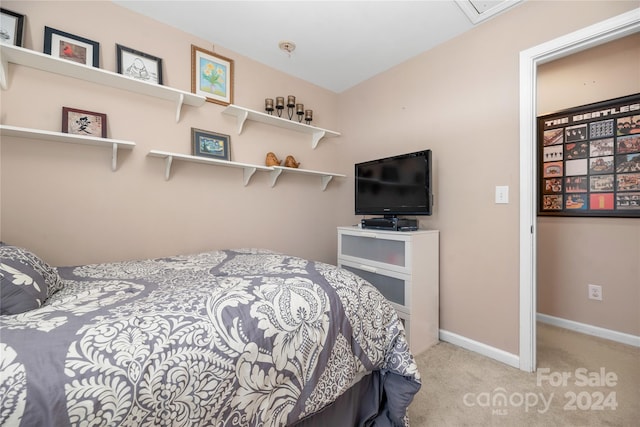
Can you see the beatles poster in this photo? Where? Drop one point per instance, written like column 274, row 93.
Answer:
column 589, row 160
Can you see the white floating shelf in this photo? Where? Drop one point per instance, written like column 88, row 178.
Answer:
column 325, row 177
column 243, row 114
column 44, row 62
column 45, row 135
column 248, row 169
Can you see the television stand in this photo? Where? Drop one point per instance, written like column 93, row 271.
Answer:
column 404, row 268
column 392, row 223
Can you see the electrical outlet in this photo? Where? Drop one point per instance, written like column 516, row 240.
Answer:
column 595, row 292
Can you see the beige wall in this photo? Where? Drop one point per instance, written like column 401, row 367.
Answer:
column 63, row 200
column 459, row 99
column 573, row 252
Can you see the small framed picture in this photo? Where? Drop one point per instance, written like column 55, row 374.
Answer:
column 81, row 122
column 139, row 65
column 210, row 144
column 70, row 47
column 211, row 76
column 11, row 27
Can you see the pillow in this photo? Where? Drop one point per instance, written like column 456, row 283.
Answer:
column 27, row 281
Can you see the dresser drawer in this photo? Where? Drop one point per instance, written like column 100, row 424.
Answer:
column 378, row 249
column 394, row 286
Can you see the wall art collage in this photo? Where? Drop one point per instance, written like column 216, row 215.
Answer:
column 589, row 160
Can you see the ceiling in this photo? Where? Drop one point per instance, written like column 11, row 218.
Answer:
column 338, row 44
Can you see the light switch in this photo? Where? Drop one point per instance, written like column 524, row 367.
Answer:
column 502, row 194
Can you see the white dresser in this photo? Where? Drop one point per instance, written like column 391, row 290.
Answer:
column 404, row 266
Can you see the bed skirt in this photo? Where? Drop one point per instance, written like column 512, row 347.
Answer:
column 364, row 404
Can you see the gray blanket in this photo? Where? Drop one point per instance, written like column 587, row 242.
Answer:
column 224, row 338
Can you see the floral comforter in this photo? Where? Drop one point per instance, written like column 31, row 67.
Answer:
column 224, row 338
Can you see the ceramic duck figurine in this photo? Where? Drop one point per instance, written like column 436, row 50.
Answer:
column 272, row 160
column 290, row 162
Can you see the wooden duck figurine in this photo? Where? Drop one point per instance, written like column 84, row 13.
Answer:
column 272, row 160
column 290, row 162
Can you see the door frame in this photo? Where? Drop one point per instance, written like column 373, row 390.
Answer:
column 594, row 35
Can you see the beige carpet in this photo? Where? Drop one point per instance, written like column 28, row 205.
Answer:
column 570, row 388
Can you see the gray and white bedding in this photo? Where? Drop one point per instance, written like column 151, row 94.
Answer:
column 223, row 338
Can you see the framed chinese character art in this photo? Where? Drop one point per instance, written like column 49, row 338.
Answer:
column 86, row 123
column 589, row 160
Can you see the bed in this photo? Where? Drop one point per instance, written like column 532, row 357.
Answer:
column 245, row 337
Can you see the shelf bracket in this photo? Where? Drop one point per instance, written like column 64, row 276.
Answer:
column 167, row 167
column 325, row 179
column 248, row 173
column 316, row 137
column 274, row 174
column 4, row 74
column 179, row 107
column 242, row 119
column 114, row 156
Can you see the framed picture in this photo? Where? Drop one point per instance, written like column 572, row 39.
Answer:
column 11, row 27
column 70, row 47
column 589, row 160
column 87, row 123
column 211, row 76
column 210, row 144
column 139, row 65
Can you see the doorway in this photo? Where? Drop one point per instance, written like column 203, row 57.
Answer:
column 602, row 32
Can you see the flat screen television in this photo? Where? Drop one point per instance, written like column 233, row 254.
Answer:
column 395, row 186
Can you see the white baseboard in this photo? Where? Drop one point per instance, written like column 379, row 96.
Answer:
column 596, row 331
column 480, row 348
column 513, row 359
